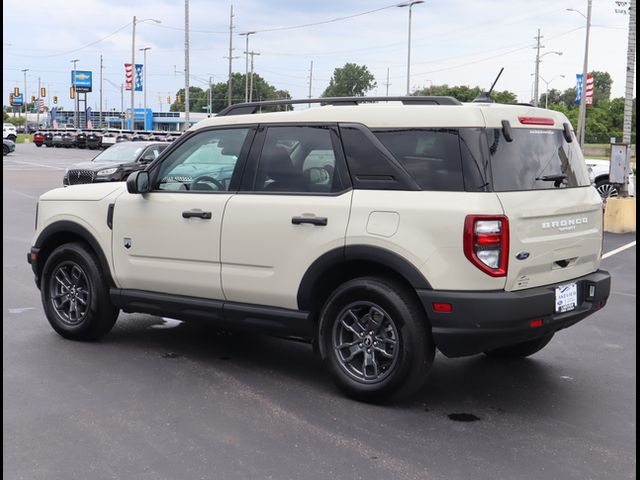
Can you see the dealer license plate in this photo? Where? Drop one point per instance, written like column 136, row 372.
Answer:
column 566, row 297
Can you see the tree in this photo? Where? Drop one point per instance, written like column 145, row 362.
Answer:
column 199, row 98
column 350, row 81
column 465, row 93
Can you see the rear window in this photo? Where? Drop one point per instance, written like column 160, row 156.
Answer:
column 536, row 159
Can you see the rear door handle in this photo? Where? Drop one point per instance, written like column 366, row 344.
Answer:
column 196, row 213
column 319, row 221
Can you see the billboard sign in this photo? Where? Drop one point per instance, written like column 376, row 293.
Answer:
column 18, row 100
column 81, row 80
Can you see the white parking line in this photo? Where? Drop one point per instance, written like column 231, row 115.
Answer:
column 38, row 165
column 618, row 250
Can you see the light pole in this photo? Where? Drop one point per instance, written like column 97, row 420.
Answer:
column 246, row 65
column 133, row 62
column 409, row 4
column 76, row 120
column 146, row 74
column 537, row 74
column 582, row 114
column 24, row 97
column 546, row 93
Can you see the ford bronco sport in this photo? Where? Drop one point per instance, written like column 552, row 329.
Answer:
column 378, row 231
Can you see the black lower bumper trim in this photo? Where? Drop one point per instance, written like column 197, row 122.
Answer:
column 482, row 321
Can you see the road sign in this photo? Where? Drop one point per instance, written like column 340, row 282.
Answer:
column 82, row 80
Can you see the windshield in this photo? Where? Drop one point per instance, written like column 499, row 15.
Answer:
column 121, row 152
column 536, row 159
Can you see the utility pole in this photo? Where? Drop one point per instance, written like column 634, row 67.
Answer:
column 231, row 54
column 246, row 66
column 133, row 72
column 310, row 79
column 582, row 113
column 252, row 53
column 210, row 94
column 387, row 84
column 145, row 73
column 187, row 122
column 101, row 118
column 38, row 104
column 628, row 93
column 24, row 97
column 537, row 73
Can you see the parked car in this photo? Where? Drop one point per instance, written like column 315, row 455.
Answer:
column 379, row 232
column 38, row 138
column 94, row 140
column 8, row 146
column 69, row 138
column 56, row 139
column 114, row 163
column 599, row 169
column 9, row 131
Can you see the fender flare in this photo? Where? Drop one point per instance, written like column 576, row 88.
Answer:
column 354, row 253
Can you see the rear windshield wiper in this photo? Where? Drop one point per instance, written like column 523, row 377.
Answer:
column 552, row 178
column 556, row 179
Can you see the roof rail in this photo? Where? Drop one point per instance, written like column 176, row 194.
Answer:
column 253, row 107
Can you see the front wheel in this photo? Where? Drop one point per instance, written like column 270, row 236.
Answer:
column 521, row 350
column 5, row 150
column 75, row 294
column 375, row 340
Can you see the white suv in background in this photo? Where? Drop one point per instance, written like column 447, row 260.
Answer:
column 9, row 131
column 379, row 232
column 599, row 169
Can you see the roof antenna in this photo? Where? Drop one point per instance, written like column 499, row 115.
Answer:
column 485, row 97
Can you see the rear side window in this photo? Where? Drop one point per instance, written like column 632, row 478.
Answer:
column 431, row 156
column 536, row 159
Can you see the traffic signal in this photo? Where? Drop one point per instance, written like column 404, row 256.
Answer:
column 16, row 91
column 72, row 93
column 169, row 100
column 43, row 92
column 33, row 98
column 11, row 99
column 178, row 98
column 55, row 99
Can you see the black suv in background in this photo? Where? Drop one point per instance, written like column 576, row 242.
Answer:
column 115, row 163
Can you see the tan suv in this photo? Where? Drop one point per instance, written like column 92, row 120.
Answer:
column 378, row 231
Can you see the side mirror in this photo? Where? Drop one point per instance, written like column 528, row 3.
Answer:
column 138, row 182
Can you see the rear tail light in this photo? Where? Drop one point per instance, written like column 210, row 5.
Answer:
column 486, row 243
column 536, row 121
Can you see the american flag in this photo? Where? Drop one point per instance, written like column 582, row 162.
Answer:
column 128, row 76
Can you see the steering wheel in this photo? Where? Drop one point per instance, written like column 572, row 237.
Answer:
column 203, row 180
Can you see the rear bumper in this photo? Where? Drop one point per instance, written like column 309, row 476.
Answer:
column 481, row 321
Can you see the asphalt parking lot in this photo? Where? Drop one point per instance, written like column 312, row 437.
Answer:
column 158, row 399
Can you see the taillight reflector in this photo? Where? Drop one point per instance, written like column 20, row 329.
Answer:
column 536, row 121
column 486, row 243
column 536, row 323
column 442, row 307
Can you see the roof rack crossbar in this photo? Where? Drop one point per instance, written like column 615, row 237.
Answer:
column 253, row 107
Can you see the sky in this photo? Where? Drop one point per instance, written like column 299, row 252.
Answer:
column 454, row 42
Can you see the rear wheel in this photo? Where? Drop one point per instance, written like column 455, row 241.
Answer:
column 75, row 294
column 521, row 350
column 375, row 340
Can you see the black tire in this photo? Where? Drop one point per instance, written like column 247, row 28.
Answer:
column 11, row 137
column 391, row 323
column 38, row 145
column 72, row 272
column 607, row 189
column 5, row 150
column 521, row 350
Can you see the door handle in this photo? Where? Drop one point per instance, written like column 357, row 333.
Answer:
column 319, row 221
column 196, row 213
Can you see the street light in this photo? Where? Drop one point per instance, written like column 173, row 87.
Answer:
column 409, row 4
column 246, row 65
column 546, row 93
column 133, row 62
column 146, row 74
column 537, row 74
column 582, row 114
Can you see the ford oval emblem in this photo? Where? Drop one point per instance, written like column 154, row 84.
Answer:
column 522, row 255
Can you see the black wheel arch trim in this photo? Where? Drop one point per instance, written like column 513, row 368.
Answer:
column 66, row 226
column 351, row 253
